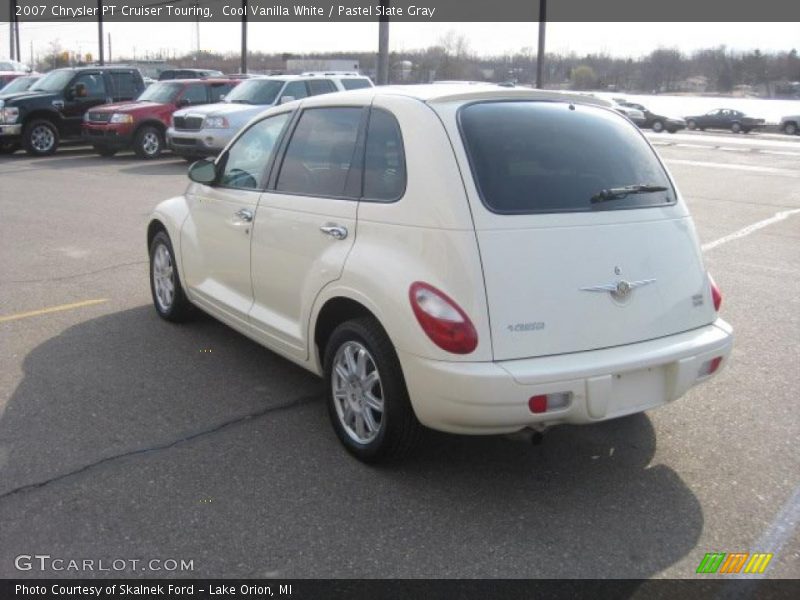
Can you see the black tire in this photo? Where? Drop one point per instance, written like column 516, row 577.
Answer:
column 148, row 143
column 657, row 126
column 790, row 129
column 736, row 127
column 399, row 430
column 105, row 150
column 179, row 309
column 691, row 124
column 35, row 136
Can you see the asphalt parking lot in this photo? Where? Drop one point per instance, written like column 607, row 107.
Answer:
column 125, row 437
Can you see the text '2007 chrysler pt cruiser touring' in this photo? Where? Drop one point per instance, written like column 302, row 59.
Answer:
column 473, row 259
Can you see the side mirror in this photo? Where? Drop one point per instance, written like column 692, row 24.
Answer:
column 203, row 171
column 285, row 99
column 183, row 102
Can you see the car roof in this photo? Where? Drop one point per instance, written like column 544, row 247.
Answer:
column 439, row 93
column 201, row 80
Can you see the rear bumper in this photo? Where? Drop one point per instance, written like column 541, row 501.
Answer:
column 492, row 397
column 203, row 142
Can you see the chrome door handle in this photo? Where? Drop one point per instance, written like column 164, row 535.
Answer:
column 245, row 215
column 337, row 232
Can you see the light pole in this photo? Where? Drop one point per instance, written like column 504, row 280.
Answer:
column 382, row 74
column 243, row 66
column 540, row 52
column 100, row 56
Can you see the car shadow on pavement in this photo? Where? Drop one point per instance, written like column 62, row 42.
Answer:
column 129, row 436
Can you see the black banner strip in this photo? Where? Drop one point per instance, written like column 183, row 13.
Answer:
column 401, row 10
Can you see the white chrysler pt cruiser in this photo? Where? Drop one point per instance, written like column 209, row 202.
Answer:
column 473, row 259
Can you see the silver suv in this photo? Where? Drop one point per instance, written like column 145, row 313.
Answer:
column 205, row 130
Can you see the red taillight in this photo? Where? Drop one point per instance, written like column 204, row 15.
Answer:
column 442, row 319
column 716, row 295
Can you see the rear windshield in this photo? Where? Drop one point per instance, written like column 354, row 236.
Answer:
column 545, row 157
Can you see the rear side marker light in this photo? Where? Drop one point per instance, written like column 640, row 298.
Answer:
column 709, row 367
column 442, row 320
column 548, row 402
column 716, row 295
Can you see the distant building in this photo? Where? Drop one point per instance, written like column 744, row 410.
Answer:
column 302, row 65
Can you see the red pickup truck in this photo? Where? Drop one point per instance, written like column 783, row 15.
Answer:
column 141, row 123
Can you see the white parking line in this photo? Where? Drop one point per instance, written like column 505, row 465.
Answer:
column 750, row 229
column 752, row 168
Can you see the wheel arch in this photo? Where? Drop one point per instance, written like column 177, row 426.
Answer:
column 153, row 123
column 332, row 312
column 46, row 115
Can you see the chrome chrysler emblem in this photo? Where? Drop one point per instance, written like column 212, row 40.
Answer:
column 620, row 289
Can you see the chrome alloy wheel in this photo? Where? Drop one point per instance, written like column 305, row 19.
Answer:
column 357, row 392
column 42, row 138
column 150, row 143
column 163, row 278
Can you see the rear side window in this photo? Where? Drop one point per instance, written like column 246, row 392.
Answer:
column 546, row 157
column 355, row 84
column 320, row 86
column 384, row 162
column 321, row 153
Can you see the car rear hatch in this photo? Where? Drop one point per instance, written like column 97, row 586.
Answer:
column 564, row 273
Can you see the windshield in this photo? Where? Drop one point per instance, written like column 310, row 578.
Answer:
column 256, row 91
column 54, row 81
column 543, row 157
column 20, row 84
column 160, row 92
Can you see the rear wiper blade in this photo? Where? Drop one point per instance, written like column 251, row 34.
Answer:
column 622, row 192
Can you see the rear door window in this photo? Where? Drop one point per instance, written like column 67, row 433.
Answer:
column 320, row 159
column 320, row 86
column 549, row 157
column 126, row 84
column 218, row 90
column 295, row 89
column 355, row 84
column 195, row 93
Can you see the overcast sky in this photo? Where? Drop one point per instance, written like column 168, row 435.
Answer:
column 620, row 39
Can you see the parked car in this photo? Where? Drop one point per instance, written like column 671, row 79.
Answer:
column 205, row 130
column 7, row 77
column 20, row 84
column 724, row 118
column 790, row 125
column 474, row 259
column 188, row 74
column 142, row 123
column 634, row 114
column 654, row 121
column 52, row 109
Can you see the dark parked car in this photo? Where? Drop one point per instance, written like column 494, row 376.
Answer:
column 724, row 118
column 188, row 74
column 53, row 108
column 655, row 121
column 790, row 125
column 142, row 124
